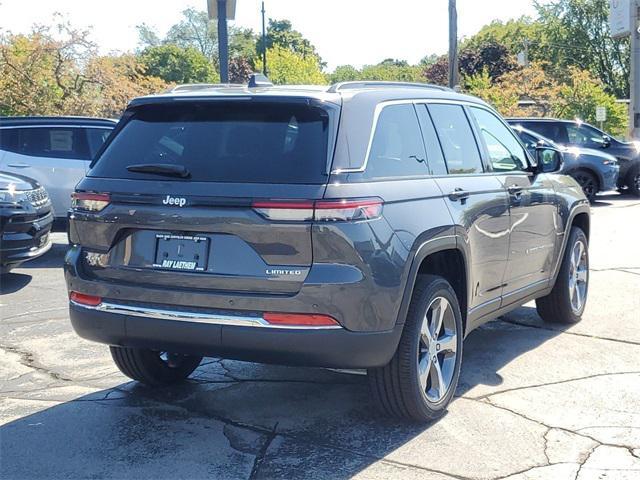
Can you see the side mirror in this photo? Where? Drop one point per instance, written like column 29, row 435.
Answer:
column 548, row 160
column 606, row 141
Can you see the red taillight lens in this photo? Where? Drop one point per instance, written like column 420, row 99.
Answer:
column 299, row 319
column 84, row 299
column 89, row 202
column 321, row 211
column 347, row 210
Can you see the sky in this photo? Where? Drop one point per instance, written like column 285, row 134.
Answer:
column 356, row 32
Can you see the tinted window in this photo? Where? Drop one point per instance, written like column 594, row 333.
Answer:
column 555, row 131
column 584, row 135
column 96, row 137
column 58, row 142
column 397, row 149
column 252, row 142
column 456, row 137
column 435, row 159
column 505, row 152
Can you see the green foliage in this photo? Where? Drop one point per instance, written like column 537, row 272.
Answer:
column 577, row 35
column 280, row 33
column 174, row 64
column 287, row 67
column 579, row 97
column 387, row 70
column 512, row 34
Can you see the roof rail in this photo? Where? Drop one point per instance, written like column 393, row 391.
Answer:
column 190, row 87
column 336, row 87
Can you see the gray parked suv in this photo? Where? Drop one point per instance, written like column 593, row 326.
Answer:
column 363, row 225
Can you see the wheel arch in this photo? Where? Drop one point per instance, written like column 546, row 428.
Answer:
column 590, row 170
column 444, row 257
column 579, row 217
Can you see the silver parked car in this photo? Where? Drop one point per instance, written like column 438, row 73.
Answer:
column 55, row 151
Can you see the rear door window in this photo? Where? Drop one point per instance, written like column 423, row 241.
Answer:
column 435, row 158
column 456, row 137
column 53, row 142
column 397, row 149
column 240, row 141
column 95, row 138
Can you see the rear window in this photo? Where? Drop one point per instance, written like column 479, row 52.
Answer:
column 244, row 142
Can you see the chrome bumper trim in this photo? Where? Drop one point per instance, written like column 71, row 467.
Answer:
column 195, row 317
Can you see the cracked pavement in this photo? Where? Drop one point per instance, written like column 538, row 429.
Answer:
column 535, row 401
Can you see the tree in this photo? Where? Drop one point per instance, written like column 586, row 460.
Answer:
column 345, row 73
column 580, row 96
column 491, row 56
column 280, row 33
column 513, row 34
column 438, row 71
column 577, row 35
column 287, row 67
column 239, row 70
column 174, row 64
column 56, row 72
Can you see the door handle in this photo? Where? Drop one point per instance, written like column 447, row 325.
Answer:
column 458, row 194
column 515, row 189
column 18, row 165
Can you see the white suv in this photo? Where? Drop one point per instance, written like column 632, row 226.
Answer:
column 55, row 151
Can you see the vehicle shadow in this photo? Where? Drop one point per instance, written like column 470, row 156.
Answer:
column 13, row 282
column 233, row 418
column 54, row 258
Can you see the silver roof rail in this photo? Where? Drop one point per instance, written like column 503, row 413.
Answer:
column 352, row 85
column 190, row 87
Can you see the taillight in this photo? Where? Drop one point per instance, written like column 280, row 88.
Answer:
column 84, row 299
column 300, row 319
column 321, row 210
column 296, row 211
column 347, row 210
column 89, row 202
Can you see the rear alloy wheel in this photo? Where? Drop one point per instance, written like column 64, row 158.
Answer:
column 588, row 182
column 422, row 376
column 567, row 300
column 152, row 367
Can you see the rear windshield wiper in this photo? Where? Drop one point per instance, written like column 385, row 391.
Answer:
column 167, row 169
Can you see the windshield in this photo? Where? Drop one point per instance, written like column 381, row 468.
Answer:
column 245, row 142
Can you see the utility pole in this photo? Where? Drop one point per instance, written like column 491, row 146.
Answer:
column 453, row 44
column 264, row 44
column 223, row 41
column 634, row 81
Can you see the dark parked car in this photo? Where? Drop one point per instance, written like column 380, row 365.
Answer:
column 580, row 134
column 594, row 170
column 363, row 225
column 25, row 220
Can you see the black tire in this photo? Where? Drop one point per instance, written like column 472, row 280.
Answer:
column 633, row 180
column 154, row 368
column 588, row 182
column 558, row 306
column 396, row 387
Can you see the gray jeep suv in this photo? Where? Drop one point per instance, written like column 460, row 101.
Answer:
column 364, row 225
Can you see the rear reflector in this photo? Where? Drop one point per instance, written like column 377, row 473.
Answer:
column 89, row 202
column 321, row 211
column 84, row 299
column 301, row 319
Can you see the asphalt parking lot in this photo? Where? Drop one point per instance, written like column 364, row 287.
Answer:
column 535, row 401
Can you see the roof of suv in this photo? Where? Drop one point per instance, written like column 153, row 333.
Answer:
column 539, row 119
column 380, row 91
column 50, row 120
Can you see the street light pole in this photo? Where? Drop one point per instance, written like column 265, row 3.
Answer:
column 223, row 45
column 453, row 44
column 264, row 44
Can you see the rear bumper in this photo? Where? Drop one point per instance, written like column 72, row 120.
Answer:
column 610, row 178
column 225, row 335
